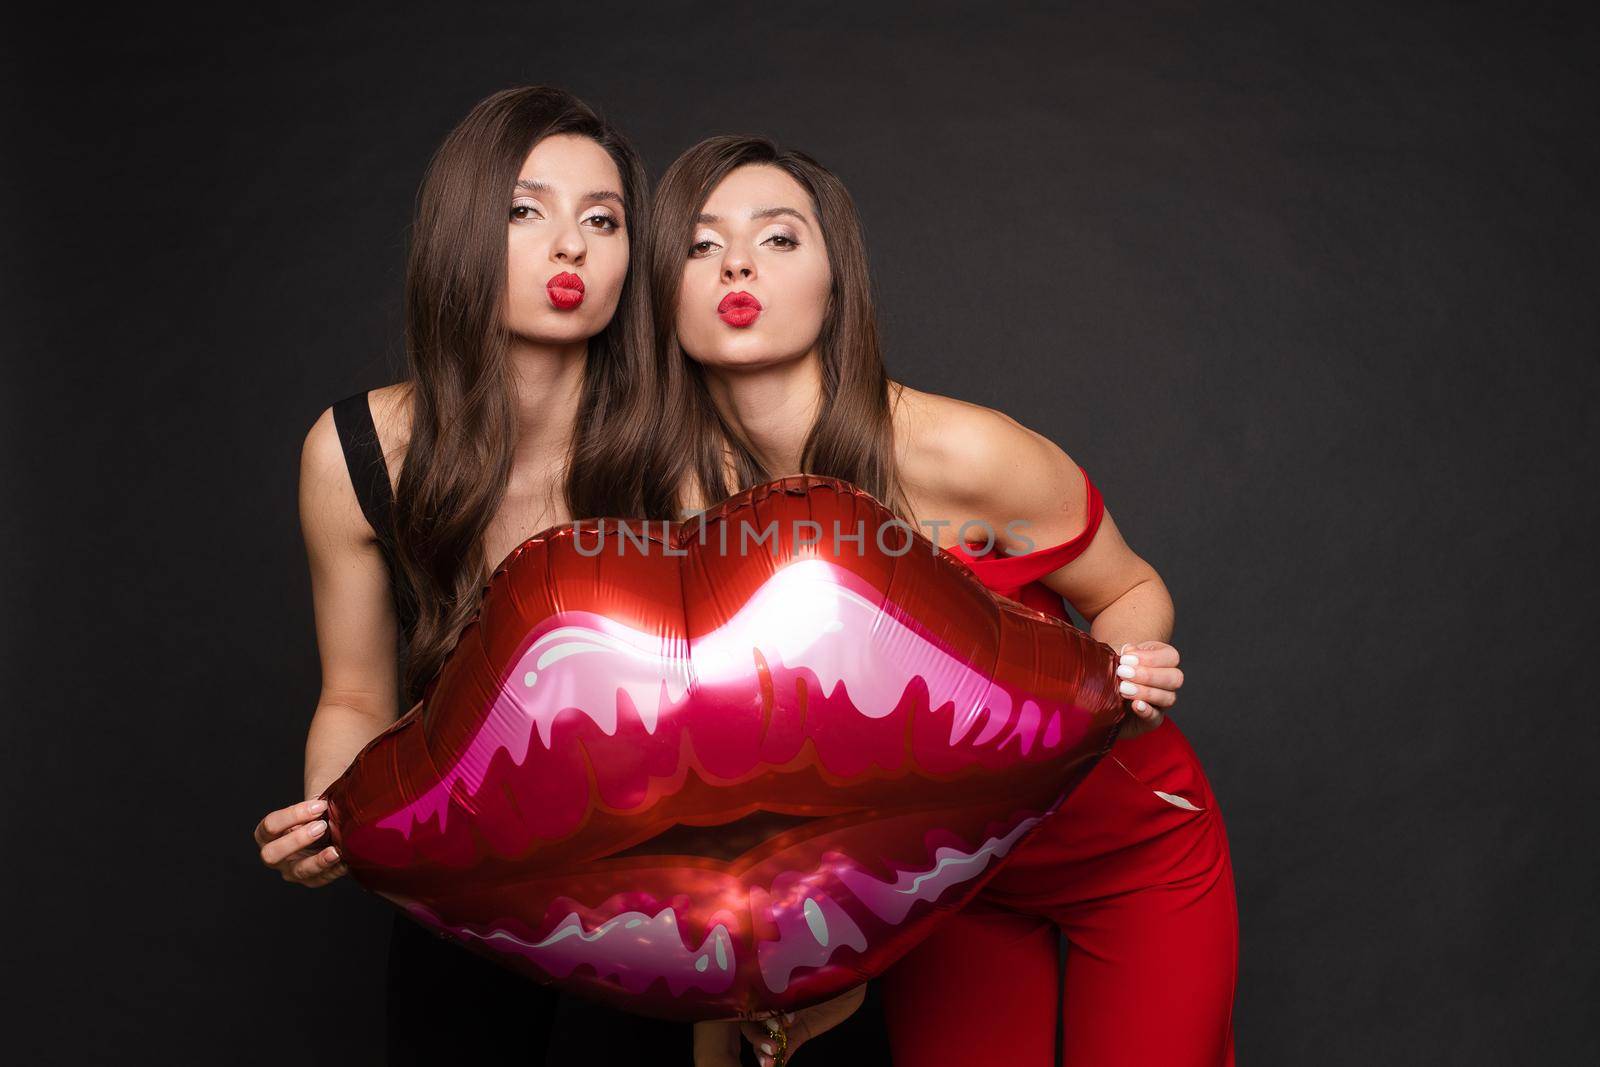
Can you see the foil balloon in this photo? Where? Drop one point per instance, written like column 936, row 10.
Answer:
column 728, row 766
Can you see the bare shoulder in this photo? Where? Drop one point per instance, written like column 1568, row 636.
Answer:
column 960, row 453
column 931, row 429
column 329, row 511
column 329, row 508
column 391, row 417
column 961, row 461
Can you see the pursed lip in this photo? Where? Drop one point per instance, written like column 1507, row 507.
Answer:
column 739, row 309
column 565, row 291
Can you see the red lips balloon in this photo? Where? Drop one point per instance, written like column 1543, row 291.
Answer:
column 728, row 766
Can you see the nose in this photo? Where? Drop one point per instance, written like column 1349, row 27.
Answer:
column 738, row 266
column 568, row 246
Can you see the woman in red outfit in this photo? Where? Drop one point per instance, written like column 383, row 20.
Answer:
column 767, row 334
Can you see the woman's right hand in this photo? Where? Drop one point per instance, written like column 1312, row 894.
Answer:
column 288, row 840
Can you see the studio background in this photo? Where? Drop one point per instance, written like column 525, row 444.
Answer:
column 1310, row 292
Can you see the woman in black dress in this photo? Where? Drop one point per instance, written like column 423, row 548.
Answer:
column 529, row 401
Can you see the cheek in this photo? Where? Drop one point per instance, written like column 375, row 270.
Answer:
column 608, row 265
column 522, row 265
column 520, row 286
column 821, row 288
column 694, row 319
column 810, row 286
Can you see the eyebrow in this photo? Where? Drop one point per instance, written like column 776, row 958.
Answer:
column 533, row 185
column 763, row 213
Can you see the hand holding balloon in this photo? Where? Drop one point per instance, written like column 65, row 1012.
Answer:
column 798, row 1027
column 774, row 1039
column 1149, row 679
column 290, row 840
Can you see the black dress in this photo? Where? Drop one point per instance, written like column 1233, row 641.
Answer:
column 448, row 1004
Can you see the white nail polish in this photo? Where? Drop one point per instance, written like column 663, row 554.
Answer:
column 766, row 1046
column 1129, row 661
column 1126, row 672
column 1128, row 689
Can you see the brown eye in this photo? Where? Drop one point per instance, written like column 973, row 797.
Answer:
column 522, row 212
column 781, row 241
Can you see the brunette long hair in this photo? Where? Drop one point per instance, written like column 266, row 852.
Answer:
column 462, row 415
column 853, row 435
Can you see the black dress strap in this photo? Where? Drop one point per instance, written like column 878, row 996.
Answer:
column 369, row 474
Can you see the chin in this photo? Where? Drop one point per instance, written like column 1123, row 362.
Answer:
column 737, row 360
column 560, row 328
column 743, row 352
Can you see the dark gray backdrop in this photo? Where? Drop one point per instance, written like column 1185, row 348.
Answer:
column 1309, row 289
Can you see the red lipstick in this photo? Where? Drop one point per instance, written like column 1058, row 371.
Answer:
column 566, row 291
column 739, row 309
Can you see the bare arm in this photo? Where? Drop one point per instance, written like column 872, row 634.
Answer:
column 357, row 633
column 1010, row 473
column 356, row 625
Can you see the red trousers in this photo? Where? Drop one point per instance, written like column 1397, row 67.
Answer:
column 1134, row 870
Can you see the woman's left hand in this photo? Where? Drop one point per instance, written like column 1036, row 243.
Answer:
column 1150, row 677
column 800, row 1026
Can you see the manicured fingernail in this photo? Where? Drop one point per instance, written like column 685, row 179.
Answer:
column 1130, row 661
column 1141, row 705
column 766, row 1046
column 330, row 854
column 316, row 828
column 1128, row 689
column 1126, row 671
column 318, row 806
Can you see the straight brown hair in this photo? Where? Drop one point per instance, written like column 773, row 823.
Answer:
column 463, row 419
column 853, row 435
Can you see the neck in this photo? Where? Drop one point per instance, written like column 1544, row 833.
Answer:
column 548, row 380
column 771, row 407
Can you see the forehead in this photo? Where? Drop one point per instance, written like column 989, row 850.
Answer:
column 573, row 164
column 754, row 187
